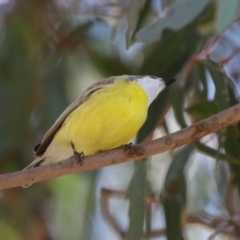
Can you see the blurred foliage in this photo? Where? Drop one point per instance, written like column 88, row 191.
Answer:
column 174, row 193
column 50, row 48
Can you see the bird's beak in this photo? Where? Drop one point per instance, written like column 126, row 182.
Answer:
column 169, row 81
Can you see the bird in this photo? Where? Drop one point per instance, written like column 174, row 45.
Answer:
column 107, row 115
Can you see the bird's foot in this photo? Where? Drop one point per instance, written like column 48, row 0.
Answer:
column 133, row 150
column 77, row 155
column 128, row 146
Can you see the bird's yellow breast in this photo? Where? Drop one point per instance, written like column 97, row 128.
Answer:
column 109, row 118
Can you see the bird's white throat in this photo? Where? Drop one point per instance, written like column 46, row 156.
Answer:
column 152, row 85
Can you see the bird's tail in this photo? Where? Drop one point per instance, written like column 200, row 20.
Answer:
column 36, row 163
column 54, row 153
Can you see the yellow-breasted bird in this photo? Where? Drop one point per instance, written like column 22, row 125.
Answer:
column 106, row 116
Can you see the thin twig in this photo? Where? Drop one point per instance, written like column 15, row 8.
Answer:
column 220, row 225
column 106, row 195
column 228, row 58
column 208, row 50
column 202, row 55
column 230, row 116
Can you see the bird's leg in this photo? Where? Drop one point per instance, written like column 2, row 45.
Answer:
column 77, row 155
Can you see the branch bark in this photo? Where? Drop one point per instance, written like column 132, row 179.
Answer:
column 230, row 116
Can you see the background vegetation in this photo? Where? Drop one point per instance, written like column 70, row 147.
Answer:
column 50, row 51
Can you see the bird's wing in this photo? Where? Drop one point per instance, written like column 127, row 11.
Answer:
column 48, row 137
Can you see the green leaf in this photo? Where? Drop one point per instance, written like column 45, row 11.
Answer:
column 218, row 17
column 221, row 82
column 167, row 57
column 216, row 154
column 231, row 146
column 142, row 15
column 173, row 211
column 155, row 111
column 202, row 109
column 108, row 65
column 136, row 193
column 174, row 193
column 181, row 13
column 148, row 213
column 166, row 3
column 221, row 175
column 226, row 12
column 178, row 101
column 206, row 23
column 133, row 17
column 191, row 83
column 203, row 80
column 221, row 97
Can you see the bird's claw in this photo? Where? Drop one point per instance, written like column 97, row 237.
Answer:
column 128, row 146
column 79, row 157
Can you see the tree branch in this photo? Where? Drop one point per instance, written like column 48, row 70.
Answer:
column 230, row 116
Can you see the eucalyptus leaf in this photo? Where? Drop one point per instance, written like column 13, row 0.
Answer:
column 216, row 154
column 174, row 193
column 178, row 101
column 136, row 194
column 142, row 15
column 133, row 16
column 231, row 145
column 166, row 58
column 156, row 109
column 180, row 14
column 103, row 62
column 226, row 12
column 207, row 22
column 221, row 83
column 202, row 109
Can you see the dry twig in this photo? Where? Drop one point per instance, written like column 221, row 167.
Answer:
column 187, row 135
